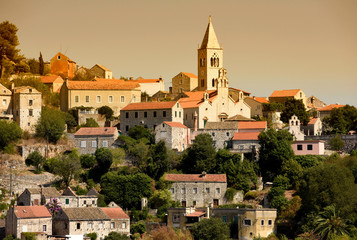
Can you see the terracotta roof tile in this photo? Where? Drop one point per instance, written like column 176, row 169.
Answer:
column 89, row 131
column 48, row 192
column 50, row 79
column 31, row 212
column 175, row 124
column 246, row 136
column 312, row 120
column 239, row 118
column 285, row 93
column 221, row 125
column 260, row 99
column 115, row 213
column 196, row 214
column 329, row 107
column 196, row 177
column 236, row 89
column 191, row 75
column 149, row 105
column 102, row 84
column 195, row 99
column 253, row 125
column 82, row 213
column 146, row 80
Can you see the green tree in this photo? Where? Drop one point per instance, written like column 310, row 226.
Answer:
column 210, row 229
column 9, row 132
column 336, row 143
column 87, row 161
column 341, row 120
column 200, row 156
column 295, row 107
column 51, row 124
column 292, row 169
column 34, row 65
column 8, row 44
column 307, row 161
column 275, row 149
column 157, row 163
column 116, row 236
column 41, row 65
column 161, row 200
column 139, row 227
column 104, row 158
column 68, row 167
column 37, row 160
column 106, row 111
column 139, row 132
column 277, row 198
column 90, row 123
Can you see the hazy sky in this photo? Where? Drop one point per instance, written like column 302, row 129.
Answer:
column 268, row 44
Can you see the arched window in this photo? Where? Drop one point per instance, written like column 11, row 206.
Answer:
column 217, row 62
column 292, row 123
column 297, row 123
column 204, row 62
column 212, row 82
column 225, row 83
column 212, row 62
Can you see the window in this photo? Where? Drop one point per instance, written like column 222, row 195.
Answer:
column 44, row 228
column 180, row 90
column 94, row 144
column 30, row 102
column 134, row 98
column 99, row 99
column 247, row 222
column 224, row 219
column 123, row 225
column 76, row 98
column 175, row 113
column 78, row 226
column 145, row 114
column 202, row 82
column 183, row 190
column 4, row 102
column 172, row 190
column 194, row 203
column 58, row 57
column 67, row 200
column 180, row 81
column 179, row 114
column 213, row 134
column 112, row 225
column 105, row 144
column 218, row 190
column 126, row 115
column 110, row 99
column 262, row 222
column 122, row 99
column 176, row 218
column 195, row 190
column 30, row 112
column 154, row 113
column 207, row 190
column 164, row 113
column 87, row 98
column 227, row 134
column 126, row 128
column 214, row 143
column 270, row 222
column 28, row 124
column 83, row 144
column 101, row 225
column 136, row 114
column 90, row 225
column 93, row 202
column 85, row 202
column 299, row 147
column 309, row 147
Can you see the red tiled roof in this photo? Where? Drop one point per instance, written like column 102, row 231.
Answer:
column 100, row 84
column 102, row 67
column 31, row 212
column 195, row 99
column 149, row 105
column 246, row 136
column 88, row 131
column 196, row 214
column 115, row 213
column 312, row 120
column 260, row 99
column 236, row 89
column 175, row 124
column 50, row 79
column 285, row 93
column 329, row 107
column 191, row 75
column 196, row 177
column 252, row 125
column 146, row 80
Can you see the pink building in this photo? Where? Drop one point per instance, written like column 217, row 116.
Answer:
column 313, row 147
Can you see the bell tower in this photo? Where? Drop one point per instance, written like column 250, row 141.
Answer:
column 210, row 60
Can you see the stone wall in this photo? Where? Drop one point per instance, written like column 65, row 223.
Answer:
column 349, row 140
column 53, row 150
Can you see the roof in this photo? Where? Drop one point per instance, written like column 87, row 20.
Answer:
column 312, row 120
column 195, row 99
column 69, row 192
column 102, row 84
column 196, row 214
column 23, row 89
column 308, row 141
column 50, row 79
column 115, row 213
column 59, row 53
column 329, row 107
column 141, row 80
column 246, row 136
column 149, row 105
column 238, row 90
column 210, row 39
column 260, row 99
column 191, row 75
column 48, row 192
column 221, row 125
column 196, row 177
column 252, row 125
column 175, row 124
column 240, row 118
column 31, row 212
column 90, row 131
column 81, row 213
column 5, row 91
column 92, row 192
column 285, row 93
column 102, row 67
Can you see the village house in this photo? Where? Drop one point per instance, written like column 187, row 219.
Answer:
column 237, row 94
column 27, row 105
column 99, row 71
column 119, row 219
column 70, row 199
column 54, row 82
column 63, row 66
column 22, row 219
column 256, row 105
column 315, row 103
column 311, row 147
column 160, row 95
column 88, row 139
column 326, row 111
column 313, row 128
column 184, row 82
column 198, row 189
column 281, row 96
column 245, row 142
column 252, row 126
column 150, row 86
column 102, row 92
column 174, row 134
column 5, row 103
column 149, row 114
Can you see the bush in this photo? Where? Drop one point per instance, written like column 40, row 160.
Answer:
column 9, row 132
column 26, row 135
column 230, row 193
column 37, row 160
column 10, row 149
column 87, row 161
column 282, row 181
column 139, row 227
column 336, row 143
column 92, row 236
column 250, row 195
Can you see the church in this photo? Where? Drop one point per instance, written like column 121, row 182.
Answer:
column 211, row 100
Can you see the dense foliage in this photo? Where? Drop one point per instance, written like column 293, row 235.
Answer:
column 9, row 132
column 51, row 124
column 210, row 229
column 37, row 160
column 341, row 120
column 295, row 107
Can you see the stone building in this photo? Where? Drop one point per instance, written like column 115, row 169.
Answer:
column 27, row 104
column 119, row 219
column 102, row 92
column 174, row 134
column 21, row 219
column 184, row 82
column 314, row 103
column 198, row 189
column 70, row 199
column 326, row 111
column 149, row 114
column 88, row 139
column 150, row 86
column 256, row 105
column 295, row 128
column 54, row 82
column 313, row 128
column 245, row 142
column 99, row 71
column 281, row 96
column 5, row 103
column 37, row 196
column 63, row 66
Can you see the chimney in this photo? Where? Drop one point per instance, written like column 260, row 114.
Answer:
column 254, row 97
column 12, row 86
column 195, row 121
column 131, row 78
column 203, row 174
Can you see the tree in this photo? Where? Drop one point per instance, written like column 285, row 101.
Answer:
column 68, row 167
column 8, row 44
column 34, row 65
column 157, row 163
column 104, row 158
column 336, row 143
column 341, row 120
column 139, row 132
column 277, row 198
column 50, row 125
column 116, row 236
column 308, row 161
column 87, row 161
column 295, row 107
column 106, row 111
column 210, row 229
column 200, row 156
column 275, row 149
column 37, row 160
column 9, row 132
column 139, row 227
column 41, row 65
column 168, row 233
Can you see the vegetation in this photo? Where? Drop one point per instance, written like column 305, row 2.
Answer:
column 68, row 167
column 9, row 132
column 210, row 229
column 295, row 107
column 168, row 233
column 116, row 236
column 336, row 143
column 51, row 124
column 341, row 120
column 37, row 160
column 106, row 111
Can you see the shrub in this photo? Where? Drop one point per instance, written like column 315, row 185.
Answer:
column 92, row 236
column 230, row 193
column 250, row 195
column 87, row 161
column 282, row 181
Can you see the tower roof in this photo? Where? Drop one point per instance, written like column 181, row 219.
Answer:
column 210, row 39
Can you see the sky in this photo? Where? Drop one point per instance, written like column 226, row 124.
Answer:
column 268, row 44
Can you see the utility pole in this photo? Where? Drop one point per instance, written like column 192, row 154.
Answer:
column 11, row 180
